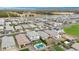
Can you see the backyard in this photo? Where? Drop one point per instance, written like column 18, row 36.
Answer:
column 58, row 48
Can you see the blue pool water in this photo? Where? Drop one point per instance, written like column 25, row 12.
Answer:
column 39, row 46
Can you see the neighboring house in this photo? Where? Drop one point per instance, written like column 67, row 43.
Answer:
column 8, row 42
column 1, row 27
column 43, row 35
column 22, row 40
column 21, row 21
column 15, row 22
column 18, row 27
column 73, row 16
column 61, row 31
column 9, row 28
column 75, row 46
column 40, row 24
column 68, row 37
column 2, row 21
column 8, row 23
column 25, row 26
column 32, row 35
column 53, row 34
column 57, row 24
column 71, row 49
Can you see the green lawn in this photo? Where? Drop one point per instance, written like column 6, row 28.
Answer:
column 57, row 48
column 73, row 30
column 36, row 42
column 25, row 49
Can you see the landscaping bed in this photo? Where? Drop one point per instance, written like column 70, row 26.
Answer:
column 36, row 42
column 57, row 48
column 25, row 49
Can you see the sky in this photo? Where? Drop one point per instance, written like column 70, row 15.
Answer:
column 39, row 3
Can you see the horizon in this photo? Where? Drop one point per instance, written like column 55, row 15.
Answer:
column 39, row 8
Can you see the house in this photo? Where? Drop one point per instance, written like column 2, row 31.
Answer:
column 9, row 28
column 25, row 26
column 58, row 30
column 18, row 27
column 32, row 35
column 2, row 21
column 22, row 40
column 61, row 31
column 21, row 21
column 15, row 19
column 53, row 33
column 1, row 27
column 8, row 23
column 1, row 30
column 40, row 24
column 43, row 35
column 51, row 23
column 15, row 22
column 32, row 25
column 36, row 29
column 68, row 37
column 8, row 42
column 75, row 46
column 57, row 24
column 74, row 16
column 71, row 49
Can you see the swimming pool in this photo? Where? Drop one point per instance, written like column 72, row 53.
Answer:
column 39, row 46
